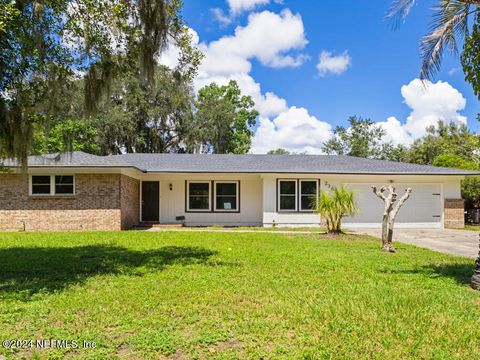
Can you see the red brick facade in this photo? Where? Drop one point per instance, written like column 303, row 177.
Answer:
column 101, row 202
column 129, row 201
column 454, row 213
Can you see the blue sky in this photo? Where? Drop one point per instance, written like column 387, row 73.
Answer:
column 381, row 61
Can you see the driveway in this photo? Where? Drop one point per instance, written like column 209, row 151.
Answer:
column 449, row 241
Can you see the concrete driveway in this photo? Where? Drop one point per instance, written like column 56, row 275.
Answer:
column 449, row 241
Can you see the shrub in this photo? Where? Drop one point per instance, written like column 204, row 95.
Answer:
column 332, row 205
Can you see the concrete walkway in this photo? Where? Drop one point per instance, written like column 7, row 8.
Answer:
column 226, row 230
column 449, row 241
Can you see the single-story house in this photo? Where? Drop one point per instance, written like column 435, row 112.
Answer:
column 78, row 191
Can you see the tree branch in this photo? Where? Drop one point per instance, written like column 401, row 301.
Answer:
column 379, row 192
column 400, row 203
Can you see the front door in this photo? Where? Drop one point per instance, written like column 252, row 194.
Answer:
column 151, row 201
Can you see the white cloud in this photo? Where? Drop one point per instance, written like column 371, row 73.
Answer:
column 328, row 63
column 221, row 17
column 294, row 130
column 238, row 6
column 268, row 37
column 430, row 102
column 395, row 132
column 271, row 104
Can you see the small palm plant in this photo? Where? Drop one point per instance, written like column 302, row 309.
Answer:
column 332, row 205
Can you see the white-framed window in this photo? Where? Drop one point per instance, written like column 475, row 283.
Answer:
column 308, row 194
column 64, row 185
column 52, row 185
column 226, row 195
column 41, row 185
column 287, row 195
column 198, row 196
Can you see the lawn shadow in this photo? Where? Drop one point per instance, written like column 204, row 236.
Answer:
column 461, row 273
column 25, row 272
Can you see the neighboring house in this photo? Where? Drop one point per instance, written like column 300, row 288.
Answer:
column 79, row 191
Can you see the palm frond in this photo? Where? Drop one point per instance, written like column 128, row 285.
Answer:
column 449, row 23
column 398, row 11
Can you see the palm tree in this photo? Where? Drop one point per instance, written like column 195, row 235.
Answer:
column 332, row 205
column 450, row 24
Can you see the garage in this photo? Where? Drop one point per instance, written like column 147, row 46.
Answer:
column 423, row 208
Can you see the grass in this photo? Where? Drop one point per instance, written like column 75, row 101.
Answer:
column 234, row 295
column 472, row 227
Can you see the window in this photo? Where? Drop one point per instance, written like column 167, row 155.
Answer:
column 226, row 196
column 198, row 196
column 287, row 195
column 52, row 185
column 64, row 184
column 41, row 185
column 308, row 194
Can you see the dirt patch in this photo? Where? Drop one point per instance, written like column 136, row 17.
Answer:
column 126, row 352
column 224, row 346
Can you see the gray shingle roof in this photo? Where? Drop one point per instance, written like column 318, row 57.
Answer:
column 251, row 163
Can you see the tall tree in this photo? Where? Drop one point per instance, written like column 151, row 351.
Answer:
column 225, row 119
column 449, row 26
column 153, row 119
column 445, row 139
column 44, row 44
column 471, row 57
column 69, row 134
column 147, row 119
column 363, row 139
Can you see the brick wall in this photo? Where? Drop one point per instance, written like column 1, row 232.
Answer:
column 129, row 201
column 96, row 205
column 454, row 213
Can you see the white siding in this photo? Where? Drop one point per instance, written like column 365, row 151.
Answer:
column 452, row 189
column 258, row 199
column 272, row 216
column 421, row 210
column 172, row 202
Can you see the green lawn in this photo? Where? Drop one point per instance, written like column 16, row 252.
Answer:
column 472, row 227
column 235, row 295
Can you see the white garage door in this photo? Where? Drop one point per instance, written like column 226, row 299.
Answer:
column 423, row 207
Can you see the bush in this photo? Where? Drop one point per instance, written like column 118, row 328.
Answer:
column 332, row 205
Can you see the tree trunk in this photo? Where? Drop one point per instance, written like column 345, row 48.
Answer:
column 392, row 216
column 475, row 282
column 388, row 246
column 389, row 201
column 385, row 230
column 389, row 213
